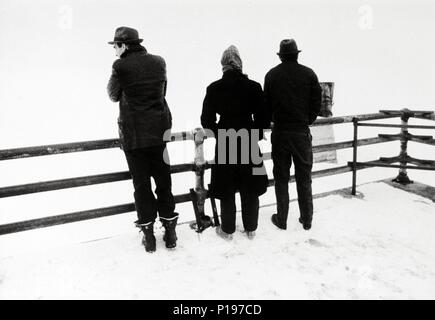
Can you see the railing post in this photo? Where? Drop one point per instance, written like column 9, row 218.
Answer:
column 403, row 178
column 202, row 221
column 199, row 168
column 355, row 150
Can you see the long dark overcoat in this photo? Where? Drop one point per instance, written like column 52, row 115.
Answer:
column 239, row 102
column 138, row 82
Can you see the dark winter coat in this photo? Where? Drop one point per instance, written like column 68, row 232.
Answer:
column 293, row 96
column 239, row 102
column 138, row 82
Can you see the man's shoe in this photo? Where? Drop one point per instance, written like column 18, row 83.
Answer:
column 223, row 234
column 275, row 221
column 170, row 236
column 148, row 239
column 305, row 225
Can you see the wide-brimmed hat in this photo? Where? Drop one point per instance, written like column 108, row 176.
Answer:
column 126, row 35
column 288, row 46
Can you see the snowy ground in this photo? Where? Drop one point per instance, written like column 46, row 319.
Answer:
column 358, row 248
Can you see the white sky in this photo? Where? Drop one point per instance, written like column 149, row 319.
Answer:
column 55, row 60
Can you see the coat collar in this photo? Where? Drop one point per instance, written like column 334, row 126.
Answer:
column 134, row 50
column 232, row 73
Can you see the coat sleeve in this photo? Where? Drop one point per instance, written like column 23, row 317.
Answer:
column 316, row 98
column 261, row 120
column 267, row 101
column 165, row 84
column 208, row 115
column 114, row 87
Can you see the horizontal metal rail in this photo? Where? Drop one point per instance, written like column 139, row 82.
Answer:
column 124, row 208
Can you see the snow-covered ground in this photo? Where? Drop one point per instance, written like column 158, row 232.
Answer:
column 378, row 245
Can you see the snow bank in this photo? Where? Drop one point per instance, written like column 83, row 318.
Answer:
column 378, row 245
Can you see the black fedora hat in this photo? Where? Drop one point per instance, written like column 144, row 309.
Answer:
column 288, row 46
column 126, row 35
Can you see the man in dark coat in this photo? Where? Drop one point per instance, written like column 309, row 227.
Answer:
column 293, row 97
column 138, row 82
column 240, row 104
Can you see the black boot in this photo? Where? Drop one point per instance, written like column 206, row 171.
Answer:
column 306, row 225
column 276, row 222
column 170, row 236
column 148, row 240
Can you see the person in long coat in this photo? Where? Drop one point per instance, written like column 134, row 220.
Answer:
column 239, row 102
column 138, row 83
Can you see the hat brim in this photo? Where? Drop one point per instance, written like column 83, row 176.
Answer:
column 126, row 41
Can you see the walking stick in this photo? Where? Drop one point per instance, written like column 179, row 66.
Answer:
column 214, row 209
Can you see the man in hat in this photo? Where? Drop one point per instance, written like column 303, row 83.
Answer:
column 138, row 82
column 293, row 95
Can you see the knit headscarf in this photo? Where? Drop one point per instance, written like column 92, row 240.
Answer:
column 231, row 59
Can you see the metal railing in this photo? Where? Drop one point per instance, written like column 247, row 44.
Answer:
column 199, row 165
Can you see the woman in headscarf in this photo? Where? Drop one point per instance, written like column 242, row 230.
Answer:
column 238, row 164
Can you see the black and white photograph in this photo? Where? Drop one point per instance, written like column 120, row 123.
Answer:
column 202, row 152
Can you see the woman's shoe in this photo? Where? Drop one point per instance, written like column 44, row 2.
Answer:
column 250, row 234
column 223, row 234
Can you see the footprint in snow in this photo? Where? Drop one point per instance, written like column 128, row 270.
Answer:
column 316, row 243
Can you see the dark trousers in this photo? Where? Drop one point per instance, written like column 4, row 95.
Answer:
column 296, row 147
column 250, row 206
column 143, row 164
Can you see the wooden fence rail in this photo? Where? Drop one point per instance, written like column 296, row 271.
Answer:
column 199, row 165
column 124, row 208
column 403, row 158
column 19, row 153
